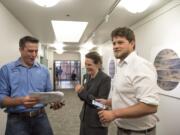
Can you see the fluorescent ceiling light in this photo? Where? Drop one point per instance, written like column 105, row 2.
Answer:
column 68, row 31
column 135, row 6
column 46, row 3
column 88, row 45
column 57, row 46
column 59, row 51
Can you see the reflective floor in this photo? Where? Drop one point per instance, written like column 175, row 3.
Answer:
column 65, row 84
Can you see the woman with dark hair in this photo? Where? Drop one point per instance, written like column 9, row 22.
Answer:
column 97, row 86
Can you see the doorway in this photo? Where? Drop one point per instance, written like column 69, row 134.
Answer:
column 67, row 73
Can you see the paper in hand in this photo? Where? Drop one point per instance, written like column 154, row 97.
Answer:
column 48, row 97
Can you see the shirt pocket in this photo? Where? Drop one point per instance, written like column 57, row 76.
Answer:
column 39, row 82
column 14, row 80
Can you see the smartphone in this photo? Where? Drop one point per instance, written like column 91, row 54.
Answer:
column 98, row 105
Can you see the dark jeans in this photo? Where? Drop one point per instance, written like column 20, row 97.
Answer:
column 18, row 125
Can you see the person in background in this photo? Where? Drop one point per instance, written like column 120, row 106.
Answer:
column 57, row 73
column 134, row 94
column 60, row 71
column 26, row 116
column 96, row 86
column 73, row 76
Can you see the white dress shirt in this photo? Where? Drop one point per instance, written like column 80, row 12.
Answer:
column 134, row 82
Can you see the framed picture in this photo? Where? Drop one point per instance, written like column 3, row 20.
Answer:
column 112, row 69
column 167, row 63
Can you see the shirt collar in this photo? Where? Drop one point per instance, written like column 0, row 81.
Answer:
column 19, row 63
column 128, row 59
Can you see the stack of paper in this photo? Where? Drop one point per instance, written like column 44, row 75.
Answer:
column 48, row 97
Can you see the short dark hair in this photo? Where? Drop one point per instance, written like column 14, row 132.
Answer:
column 26, row 39
column 95, row 57
column 123, row 32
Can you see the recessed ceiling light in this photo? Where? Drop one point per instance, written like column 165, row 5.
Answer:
column 68, row 31
column 46, row 3
column 135, row 6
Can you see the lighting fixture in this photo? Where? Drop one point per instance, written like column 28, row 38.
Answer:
column 68, row 31
column 135, row 6
column 46, row 3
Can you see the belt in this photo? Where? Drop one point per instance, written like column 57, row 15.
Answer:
column 28, row 114
column 137, row 131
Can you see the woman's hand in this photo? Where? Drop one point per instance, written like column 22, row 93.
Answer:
column 78, row 88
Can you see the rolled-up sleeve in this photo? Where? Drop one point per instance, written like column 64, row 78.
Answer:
column 4, row 85
column 146, row 87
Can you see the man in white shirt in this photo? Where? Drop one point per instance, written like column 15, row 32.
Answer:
column 134, row 94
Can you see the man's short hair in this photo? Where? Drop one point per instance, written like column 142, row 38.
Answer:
column 123, row 32
column 24, row 40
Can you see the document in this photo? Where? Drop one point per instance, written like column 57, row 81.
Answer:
column 48, row 97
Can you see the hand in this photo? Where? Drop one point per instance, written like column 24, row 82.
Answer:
column 106, row 116
column 102, row 101
column 57, row 105
column 78, row 88
column 29, row 101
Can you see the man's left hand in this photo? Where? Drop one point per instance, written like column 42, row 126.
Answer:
column 106, row 116
column 56, row 105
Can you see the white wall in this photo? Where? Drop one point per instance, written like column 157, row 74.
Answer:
column 11, row 32
column 161, row 30
column 107, row 54
column 50, row 57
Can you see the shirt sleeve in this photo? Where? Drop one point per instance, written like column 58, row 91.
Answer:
column 145, row 84
column 4, row 84
column 86, row 96
column 48, row 82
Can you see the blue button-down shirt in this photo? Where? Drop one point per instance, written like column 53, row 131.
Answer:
column 17, row 80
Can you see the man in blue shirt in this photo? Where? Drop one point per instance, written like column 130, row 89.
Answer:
column 26, row 116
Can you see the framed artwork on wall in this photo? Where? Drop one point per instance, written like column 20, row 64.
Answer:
column 111, row 68
column 167, row 64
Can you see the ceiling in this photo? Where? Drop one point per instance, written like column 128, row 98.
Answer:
column 38, row 19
